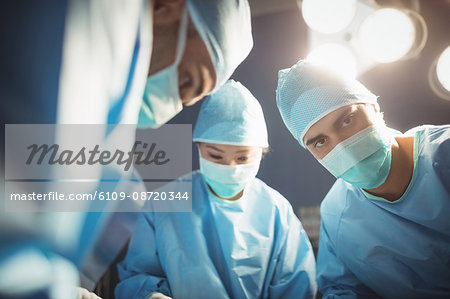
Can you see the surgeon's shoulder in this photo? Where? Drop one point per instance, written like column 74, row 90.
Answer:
column 431, row 134
column 433, row 143
column 280, row 206
column 270, row 193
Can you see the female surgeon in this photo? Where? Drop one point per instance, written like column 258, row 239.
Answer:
column 242, row 238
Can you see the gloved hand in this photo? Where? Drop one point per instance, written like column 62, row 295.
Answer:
column 156, row 295
column 85, row 294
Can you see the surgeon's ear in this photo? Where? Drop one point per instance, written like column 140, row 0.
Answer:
column 373, row 107
column 376, row 107
column 167, row 11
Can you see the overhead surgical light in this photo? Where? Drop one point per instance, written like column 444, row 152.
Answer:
column 443, row 69
column 390, row 34
column 439, row 75
column 335, row 57
column 328, row 16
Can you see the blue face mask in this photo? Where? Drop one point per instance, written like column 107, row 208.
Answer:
column 228, row 180
column 161, row 99
column 364, row 159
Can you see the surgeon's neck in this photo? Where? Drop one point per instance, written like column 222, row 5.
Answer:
column 402, row 167
column 236, row 197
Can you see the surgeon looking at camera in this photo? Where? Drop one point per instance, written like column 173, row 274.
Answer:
column 385, row 222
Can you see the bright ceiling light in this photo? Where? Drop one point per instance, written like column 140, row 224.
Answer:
column 387, row 35
column 335, row 57
column 328, row 16
column 443, row 69
column 439, row 75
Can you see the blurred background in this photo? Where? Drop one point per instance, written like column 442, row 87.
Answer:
column 410, row 94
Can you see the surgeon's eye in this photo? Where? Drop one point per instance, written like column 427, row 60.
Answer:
column 242, row 159
column 348, row 120
column 184, row 82
column 320, row 142
column 215, row 157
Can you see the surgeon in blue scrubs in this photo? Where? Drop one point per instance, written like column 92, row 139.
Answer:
column 100, row 62
column 242, row 238
column 385, row 222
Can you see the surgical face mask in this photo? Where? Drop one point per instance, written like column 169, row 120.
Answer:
column 161, row 99
column 228, row 180
column 364, row 159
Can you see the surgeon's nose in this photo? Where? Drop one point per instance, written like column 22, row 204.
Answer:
column 195, row 84
column 230, row 162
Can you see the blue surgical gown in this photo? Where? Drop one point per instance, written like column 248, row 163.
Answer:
column 370, row 247
column 254, row 247
column 89, row 65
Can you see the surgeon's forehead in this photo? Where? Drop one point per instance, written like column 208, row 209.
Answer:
column 323, row 124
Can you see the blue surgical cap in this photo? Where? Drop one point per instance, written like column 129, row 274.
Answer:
column 225, row 28
column 232, row 115
column 307, row 92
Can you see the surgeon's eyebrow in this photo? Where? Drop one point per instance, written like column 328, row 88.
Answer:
column 215, row 148
column 314, row 139
column 244, row 150
column 345, row 113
